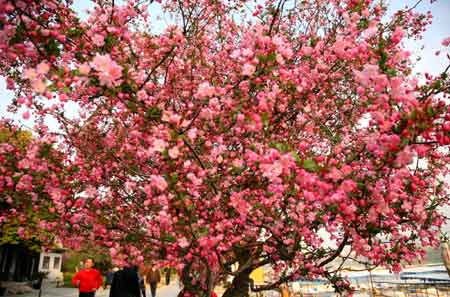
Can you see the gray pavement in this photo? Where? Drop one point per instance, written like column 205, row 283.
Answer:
column 51, row 291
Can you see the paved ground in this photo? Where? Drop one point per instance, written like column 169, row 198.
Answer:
column 51, row 291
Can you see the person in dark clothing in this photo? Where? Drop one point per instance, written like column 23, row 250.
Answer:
column 125, row 283
column 108, row 279
column 167, row 276
column 142, row 285
column 153, row 278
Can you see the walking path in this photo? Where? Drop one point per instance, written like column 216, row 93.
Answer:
column 51, row 291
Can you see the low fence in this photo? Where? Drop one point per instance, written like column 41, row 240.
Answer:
column 377, row 289
column 412, row 289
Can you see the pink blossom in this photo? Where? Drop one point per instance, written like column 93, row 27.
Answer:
column 158, row 182
column 39, row 86
column 446, row 41
column 159, row 145
column 142, row 95
column 335, row 174
column 370, row 72
column 98, row 40
column 370, row 32
column 192, row 134
column 404, row 157
column 348, row 186
column 42, row 68
column 84, row 69
column 272, row 171
column 113, row 252
column 21, row 232
column 171, row 117
column 109, row 71
column 183, row 242
column 205, row 90
column 248, row 69
column 174, row 152
column 30, row 74
column 246, row 52
column 194, row 179
column 307, row 50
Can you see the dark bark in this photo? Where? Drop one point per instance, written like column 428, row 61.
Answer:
column 240, row 286
column 189, row 289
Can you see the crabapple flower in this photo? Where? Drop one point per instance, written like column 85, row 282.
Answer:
column 109, row 72
column 248, row 69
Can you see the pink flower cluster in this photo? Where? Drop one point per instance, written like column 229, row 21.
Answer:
column 108, row 71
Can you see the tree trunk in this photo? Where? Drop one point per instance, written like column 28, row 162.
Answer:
column 240, row 286
column 190, row 290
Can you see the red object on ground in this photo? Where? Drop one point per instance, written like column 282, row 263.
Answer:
column 90, row 280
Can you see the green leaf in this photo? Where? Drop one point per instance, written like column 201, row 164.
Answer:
column 383, row 60
column 170, row 238
column 271, row 57
column 282, row 147
column 132, row 106
column 75, row 32
column 430, row 111
column 129, row 88
column 236, row 170
column 265, row 119
column 173, row 179
column 363, row 24
column 110, row 41
column 45, row 150
column 373, row 230
column 19, row 36
column 391, row 72
column 52, row 47
column 296, row 157
column 362, row 186
column 437, row 84
column 153, row 113
column 310, row 165
column 75, row 72
column 165, row 154
column 334, row 208
column 203, row 231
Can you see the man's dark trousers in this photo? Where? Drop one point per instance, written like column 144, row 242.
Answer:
column 90, row 294
column 153, row 287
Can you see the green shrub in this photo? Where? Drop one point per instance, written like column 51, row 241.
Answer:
column 68, row 278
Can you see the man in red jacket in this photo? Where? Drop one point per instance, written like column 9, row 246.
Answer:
column 88, row 280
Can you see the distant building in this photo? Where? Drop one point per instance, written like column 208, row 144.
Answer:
column 19, row 264
column 51, row 262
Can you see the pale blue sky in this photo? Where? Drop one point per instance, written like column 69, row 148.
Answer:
column 429, row 62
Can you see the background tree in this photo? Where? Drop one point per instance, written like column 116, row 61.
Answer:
column 99, row 254
column 27, row 167
column 242, row 133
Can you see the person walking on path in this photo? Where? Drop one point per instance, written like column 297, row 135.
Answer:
column 125, row 283
column 153, row 278
column 88, row 280
column 167, row 276
column 108, row 279
column 141, row 275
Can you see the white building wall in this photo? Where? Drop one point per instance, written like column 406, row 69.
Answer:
column 51, row 263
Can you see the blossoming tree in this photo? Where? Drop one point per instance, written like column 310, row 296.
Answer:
column 27, row 167
column 290, row 134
